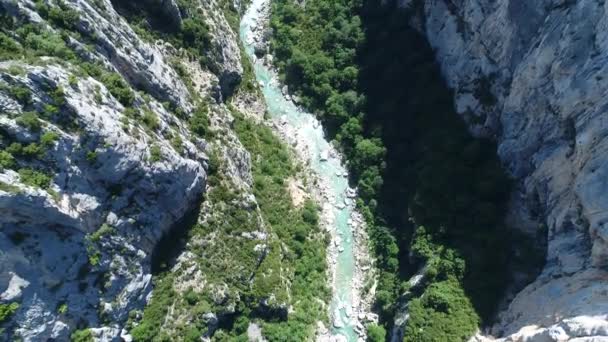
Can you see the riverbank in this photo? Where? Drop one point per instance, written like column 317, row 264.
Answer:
column 348, row 258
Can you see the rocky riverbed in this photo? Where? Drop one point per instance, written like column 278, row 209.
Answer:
column 348, row 257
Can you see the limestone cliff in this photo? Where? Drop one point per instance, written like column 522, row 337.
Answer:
column 101, row 163
column 531, row 74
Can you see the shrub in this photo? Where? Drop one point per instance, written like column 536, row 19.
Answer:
column 49, row 138
column 192, row 334
column 18, row 237
column 199, row 121
column 73, row 81
column 94, row 70
column 94, row 258
column 49, row 110
column 63, row 16
column 15, row 148
column 131, row 113
column 7, row 161
column 155, row 311
column 32, row 150
column 155, row 154
column 83, row 335
column 9, row 49
column 177, row 143
column 191, row 297
column 16, row 70
column 151, row 120
column 58, row 96
column 92, row 156
column 22, row 94
column 376, row 333
column 310, row 213
column 34, row 178
column 46, row 43
column 117, row 86
column 30, row 121
column 195, row 34
column 104, row 230
column 7, row 310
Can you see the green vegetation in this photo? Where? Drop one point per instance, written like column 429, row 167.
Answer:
column 297, row 229
column 150, row 23
column 117, row 86
column 156, row 154
column 150, row 119
column 62, row 309
column 7, row 161
column 91, row 156
column 49, row 138
column 8, row 46
column 35, row 178
column 30, row 121
column 177, row 143
column 22, row 94
column 376, row 333
column 155, row 312
column 7, row 310
column 19, row 39
column 443, row 313
column 38, row 41
column 430, row 194
column 104, row 230
column 33, row 40
column 9, row 188
column 94, row 257
column 199, row 121
column 84, row 335
column 289, row 271
column 60, row 15
column 30, row 151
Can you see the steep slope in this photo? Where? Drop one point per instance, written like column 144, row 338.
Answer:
column 142, row 197
column 532, row 76
column 99, row 162
column 528, row 76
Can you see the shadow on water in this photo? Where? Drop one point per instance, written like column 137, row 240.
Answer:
column 173, row 242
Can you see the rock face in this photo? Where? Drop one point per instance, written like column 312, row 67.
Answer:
column 76, row 251
column 169, row 9
column 531, row 74
column 225, row 54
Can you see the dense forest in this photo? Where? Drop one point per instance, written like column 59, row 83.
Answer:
column 433, row 196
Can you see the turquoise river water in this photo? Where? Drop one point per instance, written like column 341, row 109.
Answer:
column 328, row 167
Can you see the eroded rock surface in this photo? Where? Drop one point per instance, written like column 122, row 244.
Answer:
column 122, row 170
column 531, row 74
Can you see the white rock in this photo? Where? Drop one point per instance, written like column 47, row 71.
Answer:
column 15, row 287
column 324, row 155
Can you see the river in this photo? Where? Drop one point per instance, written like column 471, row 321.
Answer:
column 339, row 210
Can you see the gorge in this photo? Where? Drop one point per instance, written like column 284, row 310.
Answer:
column 319, row 170
column 348, row 247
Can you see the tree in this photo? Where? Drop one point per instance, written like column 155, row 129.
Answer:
column 376, row 333
column 368, row 152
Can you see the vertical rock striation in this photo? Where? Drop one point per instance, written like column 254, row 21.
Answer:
column 532, row 75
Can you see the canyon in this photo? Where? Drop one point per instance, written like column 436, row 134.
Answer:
column 139, row 148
